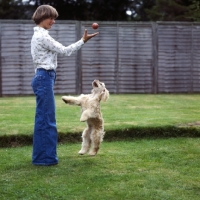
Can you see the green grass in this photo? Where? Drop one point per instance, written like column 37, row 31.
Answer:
column 17, row 113
column 141, row 169
column 124, row 115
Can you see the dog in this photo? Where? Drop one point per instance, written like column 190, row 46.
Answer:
column 92, row 136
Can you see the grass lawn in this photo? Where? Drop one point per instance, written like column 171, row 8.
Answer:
column 140, row 169
column 120, row 111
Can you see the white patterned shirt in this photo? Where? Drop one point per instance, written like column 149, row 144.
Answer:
column 44, row 49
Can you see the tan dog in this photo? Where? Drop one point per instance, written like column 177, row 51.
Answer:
column 93, row 135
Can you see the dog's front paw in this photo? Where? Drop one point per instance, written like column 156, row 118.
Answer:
column 83, row 118
column 65, row 100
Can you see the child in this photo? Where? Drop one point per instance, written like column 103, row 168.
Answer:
column 44, row 50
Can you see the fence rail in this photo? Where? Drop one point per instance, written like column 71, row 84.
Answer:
column 130, row 57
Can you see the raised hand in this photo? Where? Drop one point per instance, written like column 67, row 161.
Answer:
column 87, row 36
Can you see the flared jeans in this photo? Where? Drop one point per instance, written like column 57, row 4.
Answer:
column 45, row 135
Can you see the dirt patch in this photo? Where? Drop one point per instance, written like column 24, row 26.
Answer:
column 191, row 124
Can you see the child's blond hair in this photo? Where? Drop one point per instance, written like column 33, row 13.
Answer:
column 44, row 12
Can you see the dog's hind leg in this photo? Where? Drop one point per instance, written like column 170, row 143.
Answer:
column 86, row 142
column 96, row 139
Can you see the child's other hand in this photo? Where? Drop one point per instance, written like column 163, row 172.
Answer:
column 87, row 36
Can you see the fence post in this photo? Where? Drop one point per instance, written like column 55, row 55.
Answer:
column 155, row 58
column 192, row 63
column 78, row 60
column 0, row 65
column 117, row 61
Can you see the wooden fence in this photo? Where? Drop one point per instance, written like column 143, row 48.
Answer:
column 129, row 57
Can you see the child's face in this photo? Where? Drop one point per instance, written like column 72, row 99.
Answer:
column 47, row 23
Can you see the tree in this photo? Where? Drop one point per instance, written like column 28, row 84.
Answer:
column 138, row 9
column 194, row 11
column 12, row 9
column 173, row 10
column 107, row 10
column 112, row 10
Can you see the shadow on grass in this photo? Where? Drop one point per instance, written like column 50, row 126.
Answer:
column 111, row 135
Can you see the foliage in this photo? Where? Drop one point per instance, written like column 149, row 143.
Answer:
column 107, row 10
column 12, row 9
column 174, row 10
column 194, row 11
column 104, row 10
column 138, row 9
column 167, row 10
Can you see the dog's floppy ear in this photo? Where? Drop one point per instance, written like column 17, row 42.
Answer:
column 104, row 95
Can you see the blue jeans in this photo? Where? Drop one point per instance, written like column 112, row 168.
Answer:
column 45, row 135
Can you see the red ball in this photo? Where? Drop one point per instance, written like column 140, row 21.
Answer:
column 95, row 25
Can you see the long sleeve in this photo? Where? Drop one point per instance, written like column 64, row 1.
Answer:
column 44, row 49
column 54, row 46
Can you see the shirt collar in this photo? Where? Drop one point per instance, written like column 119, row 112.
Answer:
column 38, row 28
